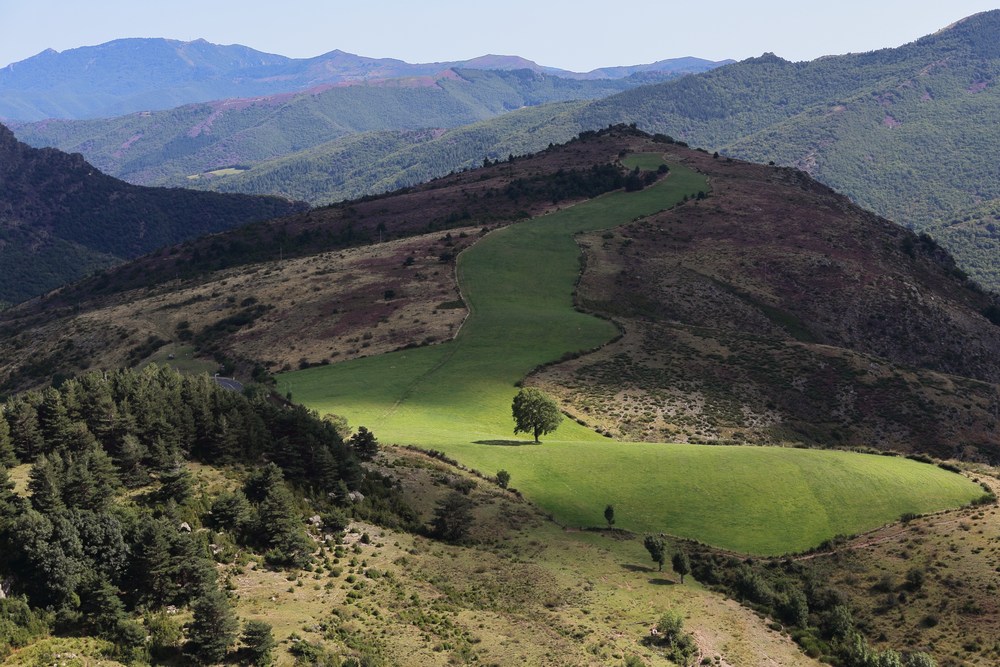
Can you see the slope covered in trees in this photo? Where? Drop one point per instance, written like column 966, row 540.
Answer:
column 906, row 132
column 87, row 558
column 200, row 143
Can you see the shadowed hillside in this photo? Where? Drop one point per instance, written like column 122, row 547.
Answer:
column 61, row 218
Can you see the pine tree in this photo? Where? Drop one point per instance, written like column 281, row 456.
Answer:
column 7, row 456
column 25, row 434
column 364, row 444
column 10, row 503
column 176, row 484
column 151, row 569
column 258, row 642
column 213, row 629
column 279, row 526
column 128, row 457
column 452, row 517
column 91, row 479
column 45, row 484
column 101, row 607
column 54, row 422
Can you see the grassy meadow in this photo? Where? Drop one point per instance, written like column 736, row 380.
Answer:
column 518, row 283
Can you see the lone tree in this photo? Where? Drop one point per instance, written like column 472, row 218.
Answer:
column 657, row 549
column 609, row 515
column 535, row 413
column 681, row 564
column 503, row 478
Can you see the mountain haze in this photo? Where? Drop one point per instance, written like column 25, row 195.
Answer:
column 129, row 75
column 170, row 147
column 908, row 132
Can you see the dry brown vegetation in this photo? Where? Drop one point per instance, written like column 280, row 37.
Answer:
column 776, row 311
column 773, row 310
column 928, row 584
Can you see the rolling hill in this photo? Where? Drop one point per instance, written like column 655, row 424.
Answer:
column 130, row 75
column 905, row 132
column 738, row 293
column 60, row 218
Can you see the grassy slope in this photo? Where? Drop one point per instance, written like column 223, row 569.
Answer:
column 518, row 283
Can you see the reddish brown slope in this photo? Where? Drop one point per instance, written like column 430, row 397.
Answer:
column 776, row 310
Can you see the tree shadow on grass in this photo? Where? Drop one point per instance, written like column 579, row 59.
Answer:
column 637, row 568
column 506, row 443
column 662, row 582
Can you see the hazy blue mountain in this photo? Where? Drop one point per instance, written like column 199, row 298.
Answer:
column 129, row 75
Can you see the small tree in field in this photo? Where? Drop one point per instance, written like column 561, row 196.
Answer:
column 657, row 549
column 503, row 478
column 609, row 515
column 535, row 413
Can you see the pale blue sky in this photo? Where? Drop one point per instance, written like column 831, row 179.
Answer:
column 578, row 35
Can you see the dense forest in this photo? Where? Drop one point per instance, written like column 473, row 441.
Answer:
column 115, row 532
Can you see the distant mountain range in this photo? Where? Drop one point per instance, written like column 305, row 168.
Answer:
column 61, row 218
column 128, row 75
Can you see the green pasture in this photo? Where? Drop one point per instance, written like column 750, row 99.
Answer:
column 455, row 397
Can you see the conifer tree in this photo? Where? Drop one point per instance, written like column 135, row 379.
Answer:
column 91, row 479
column 54, row 422
column 258, row 642
column 364, row 444
column 25, row 434
column 7, row 456
column 176, row 484
column 10, row 503
column 279, row 527
column 213, row 628
column 45, row 484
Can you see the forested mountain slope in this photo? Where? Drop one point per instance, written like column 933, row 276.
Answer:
column 909, row 133
column 61, row 218
column 201, row 143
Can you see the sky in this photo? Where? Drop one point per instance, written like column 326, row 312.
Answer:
column 578, row 35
